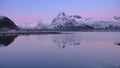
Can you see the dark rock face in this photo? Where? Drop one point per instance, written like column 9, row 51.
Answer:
column 77, row 16
column 61, row 14
column 7, row 24
column 117, row 43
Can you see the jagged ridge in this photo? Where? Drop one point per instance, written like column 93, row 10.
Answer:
column 64, row 22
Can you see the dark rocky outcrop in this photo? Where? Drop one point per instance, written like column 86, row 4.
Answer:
column 7, row 24
column 117, row 43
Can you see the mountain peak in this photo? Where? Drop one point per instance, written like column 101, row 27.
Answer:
column 61, row 14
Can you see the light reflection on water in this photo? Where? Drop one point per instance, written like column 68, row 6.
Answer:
column 77, row 50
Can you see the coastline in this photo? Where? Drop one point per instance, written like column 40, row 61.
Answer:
column 29, row 32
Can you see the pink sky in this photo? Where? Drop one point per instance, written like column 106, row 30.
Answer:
column 34, row 19
column 29, row 11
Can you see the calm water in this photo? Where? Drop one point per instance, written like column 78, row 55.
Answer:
column 76, row 50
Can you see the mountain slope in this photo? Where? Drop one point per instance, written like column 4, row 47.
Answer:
column 7, row 24
column 64, row 22
column 68, row 23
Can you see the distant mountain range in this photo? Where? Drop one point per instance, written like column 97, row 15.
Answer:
column 63, row 22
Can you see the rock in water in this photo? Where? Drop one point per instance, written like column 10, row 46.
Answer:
column 7, row 24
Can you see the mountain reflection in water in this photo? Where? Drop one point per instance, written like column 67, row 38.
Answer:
column 76, row 50
column 65, row 40
column 7, row 39
column 62, row 40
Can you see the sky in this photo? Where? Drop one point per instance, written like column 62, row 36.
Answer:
column 29, row 11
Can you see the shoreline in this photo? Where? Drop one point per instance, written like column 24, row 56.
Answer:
column 29, row 32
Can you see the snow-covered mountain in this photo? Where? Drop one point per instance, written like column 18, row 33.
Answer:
column 68, row 22
column 75, row 22
column 112, row 23
column 26, row 25
column 39, row 25
column 65, row 22
column 61, row 21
